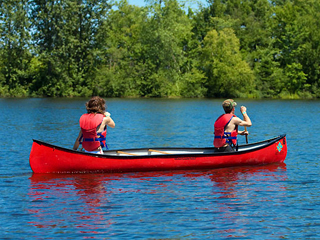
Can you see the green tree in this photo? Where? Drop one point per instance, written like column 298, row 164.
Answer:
column 269, row 77
column 82, row 54
column 146, row 51
column 47, row 21
column 167, row 40
column 309, row 47
column 291, row 38
column 66, row 38
column 123, row 65
column 228, row 75
column 15, row 52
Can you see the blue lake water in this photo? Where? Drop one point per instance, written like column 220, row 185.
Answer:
column 265, row 202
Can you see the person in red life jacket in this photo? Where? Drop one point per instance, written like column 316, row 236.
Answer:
column 226, row 127
column 93, row 126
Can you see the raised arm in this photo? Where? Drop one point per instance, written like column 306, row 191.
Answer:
column 107, row 121
column 246, row 122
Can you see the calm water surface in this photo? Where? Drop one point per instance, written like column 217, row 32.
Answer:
column 265, row 202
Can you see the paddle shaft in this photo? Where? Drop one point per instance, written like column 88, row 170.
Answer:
column 245, row 129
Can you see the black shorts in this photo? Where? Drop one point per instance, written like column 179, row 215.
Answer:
column 225, row 149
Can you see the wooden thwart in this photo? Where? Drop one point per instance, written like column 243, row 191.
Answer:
column 152, row 150
column 121, row 152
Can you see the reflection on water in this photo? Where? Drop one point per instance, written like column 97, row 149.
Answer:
column 59, row 199
column 96, row 203
column 242, row 191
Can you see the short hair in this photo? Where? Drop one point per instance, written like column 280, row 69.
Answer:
column 96, row 105
column 228, row 105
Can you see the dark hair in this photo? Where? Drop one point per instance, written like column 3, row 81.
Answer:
column 227, row 110
column 96, row 105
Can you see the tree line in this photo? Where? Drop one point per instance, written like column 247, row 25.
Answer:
column 225, row 48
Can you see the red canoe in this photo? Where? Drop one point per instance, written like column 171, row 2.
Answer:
column 47, row 158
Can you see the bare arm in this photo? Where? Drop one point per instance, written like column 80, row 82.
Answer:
column 246, row 122
column 76, row 143
column 107, row 121
column 110, row 122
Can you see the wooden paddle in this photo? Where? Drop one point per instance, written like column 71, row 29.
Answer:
column 245, row 129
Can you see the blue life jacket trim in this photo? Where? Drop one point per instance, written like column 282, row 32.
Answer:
column 227, row 124
column 101, row 138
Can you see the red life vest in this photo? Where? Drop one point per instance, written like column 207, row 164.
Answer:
column 91, row 140
column 220, row 136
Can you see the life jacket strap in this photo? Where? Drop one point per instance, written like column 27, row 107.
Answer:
column 94, row 139
column 99, row 139
column 227, row 137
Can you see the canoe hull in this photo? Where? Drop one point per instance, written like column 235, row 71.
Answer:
column 47, row 158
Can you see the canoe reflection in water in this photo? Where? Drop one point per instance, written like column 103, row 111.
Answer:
column 93, row 203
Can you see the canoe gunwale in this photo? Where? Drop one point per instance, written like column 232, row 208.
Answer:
column 251, row 148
